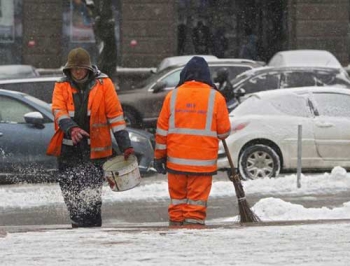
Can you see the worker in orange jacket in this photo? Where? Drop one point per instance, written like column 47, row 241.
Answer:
column 86, row 108
column 193, row 118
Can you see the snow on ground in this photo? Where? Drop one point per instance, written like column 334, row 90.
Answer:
column 303, row 244
column 32, row 195
column 322, row 244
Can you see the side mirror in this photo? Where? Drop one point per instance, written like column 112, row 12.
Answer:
column 239, row 93
column 159, row 86
column 34, row 118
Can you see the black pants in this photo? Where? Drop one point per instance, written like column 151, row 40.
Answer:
column 81, row 185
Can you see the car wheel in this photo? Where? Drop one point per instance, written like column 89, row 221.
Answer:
column 131, row 119
column 259, row 161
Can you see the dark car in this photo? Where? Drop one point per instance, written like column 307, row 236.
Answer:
column 39, row 87
column 26, row 127
column 18, row 71
column 143, row 103
column 271, row 78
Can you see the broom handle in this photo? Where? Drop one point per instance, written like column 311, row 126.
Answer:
column 229, row 157
column 236, row 180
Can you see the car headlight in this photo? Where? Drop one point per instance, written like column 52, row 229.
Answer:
column 137, row 138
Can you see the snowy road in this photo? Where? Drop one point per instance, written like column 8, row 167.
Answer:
column 321, row 197
column 35, row 204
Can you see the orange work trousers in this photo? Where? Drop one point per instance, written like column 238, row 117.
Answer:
column 189, row 195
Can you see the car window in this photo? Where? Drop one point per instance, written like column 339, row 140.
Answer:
column 38, row 89
column 153, row 78
column 324, row 78
column 233, row 71
column 172, row 79
column 333, row 104
column 261, row 83
column 298, row 79
column 288, row 104
column 292, row 104
column 12, row 111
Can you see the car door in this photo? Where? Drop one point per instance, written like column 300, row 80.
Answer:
column 332, row 126
column 22, row 145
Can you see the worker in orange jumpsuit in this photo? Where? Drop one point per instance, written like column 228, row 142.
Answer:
column 86, row 109
column 193, row 119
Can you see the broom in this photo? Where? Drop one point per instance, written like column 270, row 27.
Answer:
column 245, row 213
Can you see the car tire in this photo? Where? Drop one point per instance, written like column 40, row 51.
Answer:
column 131, row 119
column 259, row 161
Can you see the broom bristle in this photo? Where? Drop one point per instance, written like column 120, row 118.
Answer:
column 245, row 213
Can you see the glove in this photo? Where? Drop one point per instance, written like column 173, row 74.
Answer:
column 77, row 134
column 128, row 152
column 159, row 165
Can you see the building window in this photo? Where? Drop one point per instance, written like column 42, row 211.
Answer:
column 7, row 22
column 81, row 23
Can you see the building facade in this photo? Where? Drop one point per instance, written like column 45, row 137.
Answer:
column 41, row 32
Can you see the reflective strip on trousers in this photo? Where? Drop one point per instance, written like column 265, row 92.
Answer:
column 191, row 162
column 69, row 142
column 189, row 201
column 178, row 201
column 194, row 221
column 196, row 132
column 197, row 202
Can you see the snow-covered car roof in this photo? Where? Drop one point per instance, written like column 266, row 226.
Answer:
column 264, row 69
column 182, row 59
column 17, row 71
column 321, row 58
column 299, row 90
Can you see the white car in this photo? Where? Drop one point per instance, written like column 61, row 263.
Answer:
column 181, row 59
column 264, row 137
column 305, row 58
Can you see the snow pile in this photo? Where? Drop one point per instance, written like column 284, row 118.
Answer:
column 272, row 209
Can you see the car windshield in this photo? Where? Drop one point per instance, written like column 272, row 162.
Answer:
column 39, row 102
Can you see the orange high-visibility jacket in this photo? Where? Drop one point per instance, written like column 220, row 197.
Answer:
column 105, row 113
column 193, row 118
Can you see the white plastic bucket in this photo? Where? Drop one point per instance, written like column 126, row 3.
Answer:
column 122, row 175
